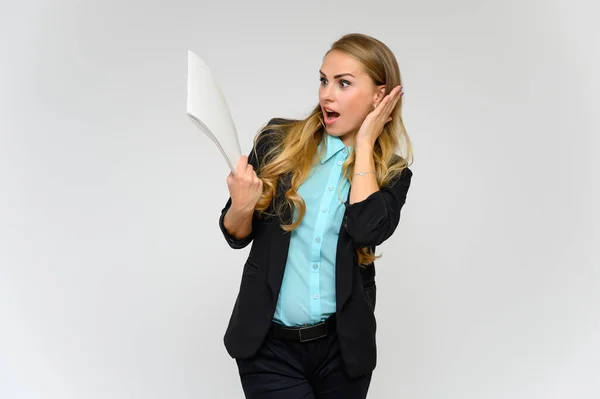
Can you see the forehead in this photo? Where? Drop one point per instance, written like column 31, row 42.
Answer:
column 337, row 62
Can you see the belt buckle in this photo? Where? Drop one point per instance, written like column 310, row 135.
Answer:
column 314, row 338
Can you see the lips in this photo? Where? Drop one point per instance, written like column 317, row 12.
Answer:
column 330, row 114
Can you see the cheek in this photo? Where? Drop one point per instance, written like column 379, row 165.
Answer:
column 357, row 108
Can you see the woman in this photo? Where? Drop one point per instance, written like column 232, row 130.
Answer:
column 315, row 197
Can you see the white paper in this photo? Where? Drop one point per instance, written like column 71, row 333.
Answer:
column 207, row 108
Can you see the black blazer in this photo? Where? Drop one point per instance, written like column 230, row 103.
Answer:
column 365, row 224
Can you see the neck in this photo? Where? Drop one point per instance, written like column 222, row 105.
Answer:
column 348, row 139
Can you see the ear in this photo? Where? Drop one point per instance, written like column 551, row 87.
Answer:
column 379, row 94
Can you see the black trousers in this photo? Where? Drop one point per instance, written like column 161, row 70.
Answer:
column 300, row 370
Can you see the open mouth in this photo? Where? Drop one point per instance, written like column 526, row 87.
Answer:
column 330, row 116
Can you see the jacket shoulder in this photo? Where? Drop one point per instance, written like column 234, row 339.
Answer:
column 281, row 121
column 270, row 135
column 406, row 172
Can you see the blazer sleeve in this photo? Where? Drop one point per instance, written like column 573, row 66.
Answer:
column 231, row 240
column 373, row 220
column 254, row 158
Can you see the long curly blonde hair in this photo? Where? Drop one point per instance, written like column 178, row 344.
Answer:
column 294, row 143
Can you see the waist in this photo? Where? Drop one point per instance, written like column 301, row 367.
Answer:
column 304, row 333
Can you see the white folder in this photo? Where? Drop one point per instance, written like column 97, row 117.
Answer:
column 207, row 108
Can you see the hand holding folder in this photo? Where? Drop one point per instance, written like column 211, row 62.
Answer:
column 208, row 110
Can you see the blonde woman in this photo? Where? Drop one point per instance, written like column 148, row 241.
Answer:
column 315, row 197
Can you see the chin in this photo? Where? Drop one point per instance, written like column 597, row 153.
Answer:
column 336, row 132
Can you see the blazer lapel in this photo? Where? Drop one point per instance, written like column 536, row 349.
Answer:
column 344, row 263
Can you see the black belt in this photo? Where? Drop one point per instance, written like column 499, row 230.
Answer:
column 303, row 333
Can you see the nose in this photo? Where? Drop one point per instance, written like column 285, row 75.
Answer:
column 327, row 93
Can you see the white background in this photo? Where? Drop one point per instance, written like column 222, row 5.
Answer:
column 115, row 281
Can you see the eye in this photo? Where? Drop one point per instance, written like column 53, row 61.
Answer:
column 343, row 83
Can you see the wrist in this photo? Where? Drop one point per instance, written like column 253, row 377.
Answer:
column 240, row 212
column 363, row 149
column 364, row 145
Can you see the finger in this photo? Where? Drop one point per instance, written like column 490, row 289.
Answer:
column 380, row 106
column 394, row 93
column 397, row 96
column 250, row 172
column 241, row 165
column 389, row 104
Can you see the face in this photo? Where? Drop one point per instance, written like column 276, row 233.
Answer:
column 349, row 92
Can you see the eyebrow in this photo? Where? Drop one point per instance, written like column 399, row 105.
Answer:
column 338, row 76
